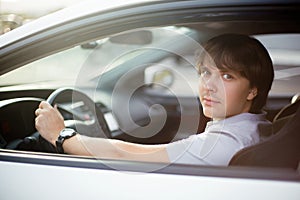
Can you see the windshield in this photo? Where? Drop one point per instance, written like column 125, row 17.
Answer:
column 63, row 68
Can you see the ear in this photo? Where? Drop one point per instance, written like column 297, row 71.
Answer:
column 252, row 94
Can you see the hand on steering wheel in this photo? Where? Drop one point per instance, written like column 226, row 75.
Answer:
column 94, row 126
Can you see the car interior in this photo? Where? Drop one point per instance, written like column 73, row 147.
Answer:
column 140, row 99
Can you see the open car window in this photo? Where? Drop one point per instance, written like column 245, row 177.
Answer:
column 150, row 65
column 148, row 62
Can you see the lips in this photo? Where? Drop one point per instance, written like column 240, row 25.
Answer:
column 207, row 101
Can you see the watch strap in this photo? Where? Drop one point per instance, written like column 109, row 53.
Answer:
column 61, row 139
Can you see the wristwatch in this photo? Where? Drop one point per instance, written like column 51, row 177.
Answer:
column 65, row 134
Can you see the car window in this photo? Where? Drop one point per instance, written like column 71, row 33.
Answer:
column 284, row 50
column 158, row 61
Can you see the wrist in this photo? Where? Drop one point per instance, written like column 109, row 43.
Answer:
column 64, row 135
column 55, row 137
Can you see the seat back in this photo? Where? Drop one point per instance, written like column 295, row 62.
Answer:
column 280, row 150
column 285, row 114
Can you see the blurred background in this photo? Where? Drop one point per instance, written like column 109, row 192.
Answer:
column 14, row 13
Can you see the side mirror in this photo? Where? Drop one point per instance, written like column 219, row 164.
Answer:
column 158, row 76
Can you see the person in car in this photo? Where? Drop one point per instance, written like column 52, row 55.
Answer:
column 235, row 76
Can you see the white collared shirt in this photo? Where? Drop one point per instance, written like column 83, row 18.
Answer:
column 220, row 140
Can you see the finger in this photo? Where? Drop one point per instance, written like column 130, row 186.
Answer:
column 37, row 112
column 44, row 104
column 37, row 123
column 41, row 105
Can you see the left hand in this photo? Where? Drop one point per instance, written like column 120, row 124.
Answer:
column 49, row 122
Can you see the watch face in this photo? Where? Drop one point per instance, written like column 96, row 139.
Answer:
column 67, row 132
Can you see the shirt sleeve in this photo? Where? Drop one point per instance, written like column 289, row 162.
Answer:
column 204, row 149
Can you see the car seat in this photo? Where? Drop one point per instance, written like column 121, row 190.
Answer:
column 282, row 149
column 286, row 113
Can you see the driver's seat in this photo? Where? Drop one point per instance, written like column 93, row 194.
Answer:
column 281, row 150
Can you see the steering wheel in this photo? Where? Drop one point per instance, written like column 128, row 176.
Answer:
column 92, row 123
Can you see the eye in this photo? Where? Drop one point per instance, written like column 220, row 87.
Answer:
column 227, row 76
column 204, row 72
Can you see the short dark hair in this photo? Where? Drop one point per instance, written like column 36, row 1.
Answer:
column 246, row 55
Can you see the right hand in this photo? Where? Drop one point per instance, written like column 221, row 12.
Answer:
column 49, row 122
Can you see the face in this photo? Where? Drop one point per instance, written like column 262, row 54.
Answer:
column 223, row 93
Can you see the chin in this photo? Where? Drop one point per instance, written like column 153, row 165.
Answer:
column 207, row 114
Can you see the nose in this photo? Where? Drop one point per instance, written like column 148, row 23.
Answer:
column 209, row 84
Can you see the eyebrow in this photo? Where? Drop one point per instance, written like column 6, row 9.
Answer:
column 226, row 70
column 202, row 67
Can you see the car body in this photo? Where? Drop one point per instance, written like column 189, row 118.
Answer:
column 133, row 65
